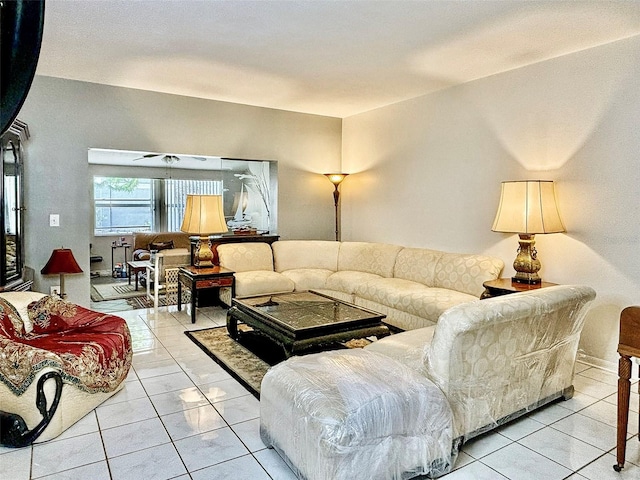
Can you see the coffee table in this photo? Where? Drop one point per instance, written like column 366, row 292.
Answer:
column 302, row 320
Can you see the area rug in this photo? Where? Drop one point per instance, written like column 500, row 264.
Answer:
column 146, row 302
column 114, row 291
column 249, row 359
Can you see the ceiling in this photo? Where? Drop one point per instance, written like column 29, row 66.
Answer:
column 335, row 58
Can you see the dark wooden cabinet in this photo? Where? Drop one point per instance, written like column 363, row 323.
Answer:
column 12, row 201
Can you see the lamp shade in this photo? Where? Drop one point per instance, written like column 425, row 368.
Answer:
column 61, row 261
column 203, row 215
column 336, row 178
column 529, row 207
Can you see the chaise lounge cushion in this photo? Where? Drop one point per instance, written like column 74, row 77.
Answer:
column 345, row 415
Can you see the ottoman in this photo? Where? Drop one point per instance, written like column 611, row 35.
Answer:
column 355, row 415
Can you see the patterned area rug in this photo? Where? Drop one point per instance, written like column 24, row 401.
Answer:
column 114, row 291
column 163, row 301
column 249, row 359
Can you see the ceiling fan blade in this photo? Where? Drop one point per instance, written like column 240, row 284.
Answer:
column 148, row 155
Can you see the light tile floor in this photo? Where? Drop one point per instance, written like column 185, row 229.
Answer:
column 182, row 416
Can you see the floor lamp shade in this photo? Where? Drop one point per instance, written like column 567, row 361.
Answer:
column 203, row 216
column 61, row 262
column 528, row 207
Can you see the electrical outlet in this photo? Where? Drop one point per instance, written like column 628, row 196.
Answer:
column 55, row 290
column 54, row 220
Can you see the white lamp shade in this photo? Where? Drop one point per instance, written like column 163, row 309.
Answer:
column 528, row 207
column 203, row 215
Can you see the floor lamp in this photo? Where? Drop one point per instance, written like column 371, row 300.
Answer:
column 336, row 179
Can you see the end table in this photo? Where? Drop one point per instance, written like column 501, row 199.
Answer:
column 505, row 286
column 196, row 279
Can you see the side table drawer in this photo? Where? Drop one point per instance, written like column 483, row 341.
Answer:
column 214, row 282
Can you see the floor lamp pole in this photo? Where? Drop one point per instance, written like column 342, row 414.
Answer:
column 336, row 179
column 336, row 199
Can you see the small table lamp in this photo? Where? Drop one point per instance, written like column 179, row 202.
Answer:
column 203, row 216
column 528, row 207
column 336, row 179
column 61, row 262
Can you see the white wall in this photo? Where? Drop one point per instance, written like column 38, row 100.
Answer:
column 427, row 172
column 66, row 118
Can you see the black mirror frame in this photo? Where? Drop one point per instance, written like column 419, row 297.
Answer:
column 21, row 28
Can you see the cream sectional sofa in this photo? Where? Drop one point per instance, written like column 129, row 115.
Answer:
column 411, row 286
column 402, row 406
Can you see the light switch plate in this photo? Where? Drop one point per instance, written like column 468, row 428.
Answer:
column 54, row 220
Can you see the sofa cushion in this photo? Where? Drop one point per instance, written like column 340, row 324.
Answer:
column 308, row 278
column 406, row 347
column 261, row 282
column 305, row 254
column 466, row 273
column 347, row 281
column 376, row 258
column 246, row 257
column 417, row 264
column 411, row 297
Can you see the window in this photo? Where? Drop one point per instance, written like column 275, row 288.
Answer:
column 175, row 195
column 125, row 205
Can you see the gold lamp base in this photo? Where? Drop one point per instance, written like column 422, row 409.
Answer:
column 203, row 257
column 526, row 263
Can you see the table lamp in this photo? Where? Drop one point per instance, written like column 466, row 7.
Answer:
column 203, row 216
column 527, row 207
column 61, row 262
column 336, row 179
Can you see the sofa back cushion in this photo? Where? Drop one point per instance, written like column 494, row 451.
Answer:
column 297, row 254
column 466, row 273
column 246, row 257
column 494, row 357
column 376, row 258
column 417, row 265
column 141, row 240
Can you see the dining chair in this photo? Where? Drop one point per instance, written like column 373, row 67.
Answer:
column 628, row 346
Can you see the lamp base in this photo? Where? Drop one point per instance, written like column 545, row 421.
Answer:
column 526, row 263
column 203, row 256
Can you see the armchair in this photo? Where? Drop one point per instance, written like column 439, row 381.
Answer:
column 160, row 279
column 58, row 361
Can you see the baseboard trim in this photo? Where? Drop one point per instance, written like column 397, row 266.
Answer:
column 598, row 362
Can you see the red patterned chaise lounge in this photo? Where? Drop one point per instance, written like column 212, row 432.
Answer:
column 58, row 361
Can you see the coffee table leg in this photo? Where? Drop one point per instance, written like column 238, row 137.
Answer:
column 232, row 324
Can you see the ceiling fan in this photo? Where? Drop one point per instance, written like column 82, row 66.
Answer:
column 167, row 158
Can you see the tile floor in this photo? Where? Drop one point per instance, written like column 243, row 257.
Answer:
column 181, row 416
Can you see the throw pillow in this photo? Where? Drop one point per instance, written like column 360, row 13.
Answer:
column 21, row 300
column 10, row 318
column 161, row 245
column 141, row 254
column 48, row 314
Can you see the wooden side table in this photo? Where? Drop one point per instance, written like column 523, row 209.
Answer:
column 628, row 346
column 505, row 286
column 196, row 279
column 134, row 268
